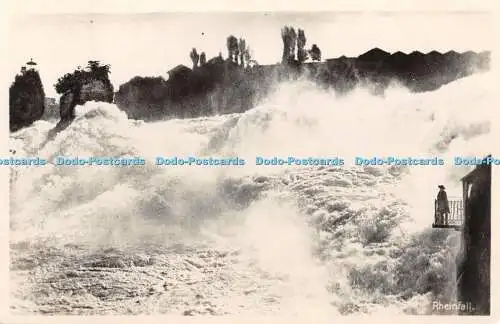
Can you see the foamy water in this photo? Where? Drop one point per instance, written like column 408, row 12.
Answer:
column 288, row 240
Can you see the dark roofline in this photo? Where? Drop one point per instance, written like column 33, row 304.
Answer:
column 478, row 169
column 469, row 175
column 416, row 53
column 375, row 50
column 179, row 67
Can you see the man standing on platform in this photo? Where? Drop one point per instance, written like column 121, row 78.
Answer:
column 443, row 207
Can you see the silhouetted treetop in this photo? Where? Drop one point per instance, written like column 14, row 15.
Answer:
column 232, row 48
column 194, row 57
column 315, row 53
column 289, row 37
column 203, row 58
column 26, row 99
column 248, row 57
column 242, row 49
column 301, row 43
column 73, row 81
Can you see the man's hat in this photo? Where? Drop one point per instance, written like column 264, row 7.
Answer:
column 441, row 187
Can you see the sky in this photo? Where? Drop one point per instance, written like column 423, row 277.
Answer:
column 151, row 44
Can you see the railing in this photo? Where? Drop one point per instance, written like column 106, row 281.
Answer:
column 454, row 219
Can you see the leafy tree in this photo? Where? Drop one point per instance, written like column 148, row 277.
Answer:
column 26, row 99
column 68, row 82
column 289, row 37
column 315, row 53
column 242, row 47
column 194, row 57
column 293, row 43
column 301, row 43
column 247, row 56
column 203, row 58
column 93, row 65
column 95, row 71
column 232, row 48
column 254, row 62
column 74, row 81
column 236, row 55
column 286, row 45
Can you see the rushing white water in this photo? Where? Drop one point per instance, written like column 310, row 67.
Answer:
column 291, row 240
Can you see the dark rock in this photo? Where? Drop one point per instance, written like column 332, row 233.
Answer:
column 91, row 83
column 89, row 90
column 95, row 90
column 77, row 88
column 51, row 109
column 66, row 106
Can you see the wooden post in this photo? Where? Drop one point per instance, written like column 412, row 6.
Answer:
column 436, row 221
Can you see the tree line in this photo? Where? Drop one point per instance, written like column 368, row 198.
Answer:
column 294, row 47
column 238, row 51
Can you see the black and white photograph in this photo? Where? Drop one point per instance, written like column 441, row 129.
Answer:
column 322, row 163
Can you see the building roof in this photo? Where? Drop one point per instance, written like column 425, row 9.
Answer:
column 399, row 53
column 31, row 62
column 416, row 53
column 476, row 171
column 451, row 53
column 179, row 69
column 374, row 54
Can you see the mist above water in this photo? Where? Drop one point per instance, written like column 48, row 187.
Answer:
column 333, row 239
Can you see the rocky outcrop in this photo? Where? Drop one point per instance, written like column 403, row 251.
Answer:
column 91, row 84
column 221, row 86
column 67, row 104
column 51, row 109
column 91, row 90
column 95, row 90
column 26, row 100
